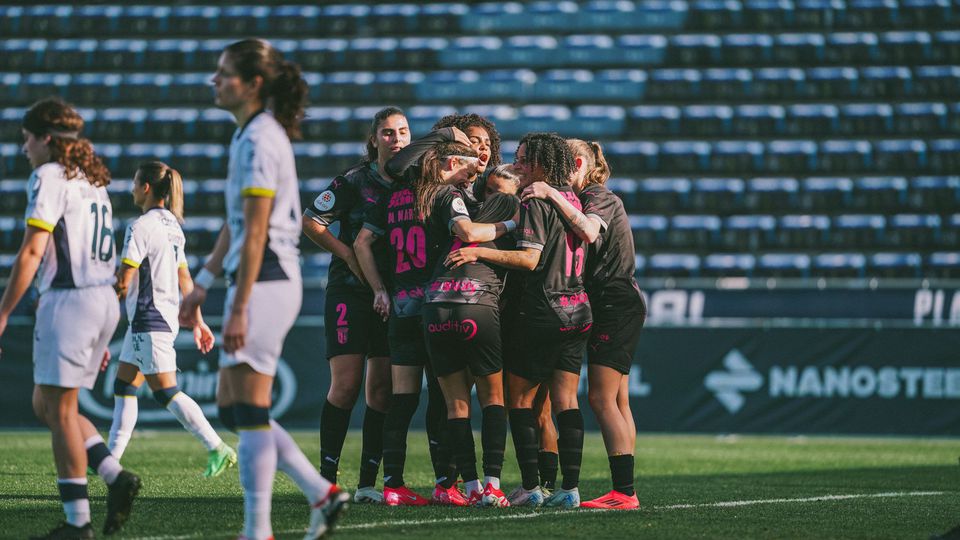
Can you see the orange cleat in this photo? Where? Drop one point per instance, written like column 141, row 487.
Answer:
column 403, row 496
column 613, row 501
column 451, row 496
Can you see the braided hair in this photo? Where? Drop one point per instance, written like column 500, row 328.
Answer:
column 550, row 152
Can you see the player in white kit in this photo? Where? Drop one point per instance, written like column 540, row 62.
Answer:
column 70, row 230
column 258, row 252
column 153, row 272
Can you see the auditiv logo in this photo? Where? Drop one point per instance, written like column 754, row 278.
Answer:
column 730, row 385
column 467, row 328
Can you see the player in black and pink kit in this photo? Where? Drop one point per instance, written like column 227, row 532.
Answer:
column 547, row 342
column 354, row 332
column 414, row 217
column 619, row 310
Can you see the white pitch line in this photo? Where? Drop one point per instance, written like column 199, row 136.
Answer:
column 534, row 515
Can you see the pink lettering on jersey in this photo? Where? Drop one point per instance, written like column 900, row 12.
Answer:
column 462, row 285
column 401, row 198
column 466, row 328
column 342, row 335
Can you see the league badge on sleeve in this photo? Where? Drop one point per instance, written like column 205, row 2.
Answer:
column 325, row 201
column 459, row 206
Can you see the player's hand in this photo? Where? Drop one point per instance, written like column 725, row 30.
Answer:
column 203, row 337
column 235, row 331
column 381, row 303
column 105, row 361
column 189, row 307
column 461, row 257
column 354, row 266
column 461, row 137
column 537, row 190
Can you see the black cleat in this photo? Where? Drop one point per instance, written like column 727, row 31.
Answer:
column 66, row 531
column 120, row 495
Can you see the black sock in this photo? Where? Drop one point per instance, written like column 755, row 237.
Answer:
column 441, row 454
column 523, row 426
column 493, row 437
column 372, row 450
column 461, row 441
column 621, row 471
column 395, row 428
column 548, row 463
column 334, row 423
column 570, row 442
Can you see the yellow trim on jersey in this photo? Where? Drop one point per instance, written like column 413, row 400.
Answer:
column 128, row 262
column 40, row 224
column 262, row 427
column 183, row 265
column 258, row 192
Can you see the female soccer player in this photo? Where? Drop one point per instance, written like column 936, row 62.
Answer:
column 70, row 230
column 409, row 219
column 546, row 342
column 258, row 251
column 154, row 267
column 354, row 330
column 619, row 310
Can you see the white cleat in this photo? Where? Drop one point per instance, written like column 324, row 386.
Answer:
column 563, row 498
column 368, row 495
column 324, row 514
column 523, row 497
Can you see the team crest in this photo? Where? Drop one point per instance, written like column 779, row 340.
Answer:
column 459, row 206
column 342, row 335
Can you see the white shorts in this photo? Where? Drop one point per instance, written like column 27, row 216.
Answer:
column 73, row 329
column 271, row 312
column 151, row 352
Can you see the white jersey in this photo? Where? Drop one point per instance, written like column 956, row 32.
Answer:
column 80, row 253
column 262, row 165
column 154, row 244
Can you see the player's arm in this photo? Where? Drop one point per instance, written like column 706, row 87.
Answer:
column 320, row 235
column 363, row 247
column 23, row 271
column 256, row 216
column 202, row 335
column 586, row 227
column 471, row 232
column 520, row 259
column 124, row 276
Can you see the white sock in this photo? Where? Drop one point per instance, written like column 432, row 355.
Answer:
column 110, row 467
column 76, row 510
column 258, row 464
column 492, row 480
column 191, row 417
column 125, row 410
column 292, row 462
column 471, row 486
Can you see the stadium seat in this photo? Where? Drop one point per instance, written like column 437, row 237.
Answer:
column 329, row 123
column 565, row 85
column 707, row 120
column 803, row 231
column 729, row 265
column 654, row 120
column 865, row 119
column 799, row 49
column 935, row 193
column 857, row 230
column 633, row 157
column 693, row 232
column 420, row 52
column 388, row 18
column 694, row 49
column 684, row 156
column 22, row 54
column 525, row 52
column 758, row 120
column 727, row 84
column 591, row 50
column 732, row 157
column 640, row 50
column 851, row 48
column 768, row 14
column 716, row 14
column 786, row 265
column 371, row 54
column 914, row 230
column 13, row 196
column 947, row 46
column 674, row 84
column 649, row 231
column 943, row 264
column 840, row 265
column 747, row 49
column 844, row 156
column 607, row 15
column 936, row 82
column 871, row 13
column 346, row 86
column 811, row 120
column 293, row 21
column 777, row 83
column 894, row 265
column 11, row 233
column 657, row 14
column 790, row 156
column 920, row 13
column 599, row 121
column 905, row 47
column 621, row 85
column 312, row 159
column 396, row 86
column 719, row 195
column 316, row 265
column 772, row 194
column 826, row 193
column 944, row 155
column 194, row 20
column 201, row 160
column 210, row 196
column 884, row 82
column 663, row 194
column 816, row 14
column 906, row 155
column 201, row 233
column 832, row 83
column 440, row 18
column 925, row 118
column 627, row 190
column 673, row 265
column 119, row 125
column 880, row 193
column 750, row 232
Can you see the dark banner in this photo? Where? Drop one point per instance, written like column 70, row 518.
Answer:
column 841, row 381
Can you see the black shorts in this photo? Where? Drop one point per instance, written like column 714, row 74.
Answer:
column 407, row 346
column 352, row 327
column 613, row 340
column 462, row 336
column 535, row 352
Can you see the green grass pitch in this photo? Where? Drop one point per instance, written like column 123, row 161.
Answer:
column 689, row 486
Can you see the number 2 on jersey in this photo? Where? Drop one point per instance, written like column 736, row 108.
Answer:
column 415, row 246
column 102, row 244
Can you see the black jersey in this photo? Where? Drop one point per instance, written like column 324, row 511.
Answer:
column 553, row 293
column 347, row 199
column 611, row 262
column 413, row 246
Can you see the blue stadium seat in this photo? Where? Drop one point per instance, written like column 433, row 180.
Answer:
column 674, row 84
column 871, row 13
column 717, row 194
column 757, row 120
column 371, row 53
column 940, row 193
column 13, row 195
column 694, row 49
column 323, row 53
column 716, row 14
column 210, row 197
column 926, row 118
column 943, row 264
column 323, row 123
column 343, row 19
column 818, row 13
column 908, row 155
column 857, row 230
column 803, row 231
column 627, row 190
column 527, row 51
column 588, row 51
column 947, row 46
column 852, row 48
column 191, row 201
column 845, row 156
column 884, row 82
column 936, row 81
column 464, row 52
column 865, row 119
column 671, row 265
column 827, row 193
column 915, row 230
column 895, row 265
column 346, row 86
column 22, row 54
column 184, row 88
column 648, row 231
column 549, row 118
column 173, row 54
column 313, row 159
column 40, row 84
column 729, row 264
column 811, row 120
column 440, row 18
column 195, row 20
column 777, row 83
column 657, row 14
column 840, row 265
column 116, row 124
column 316, row 265
column 599, row 121
column 874, row 193
column 832, row 82
column 732, row 157
column 945, row 155
column 13, row 163
column 565, row 85
column 905, row 47
column 641, row 263
column 64, row 54
column 621, row 85
column 201, row 233
column 654, row 120
column 201, row 160
column 11, row 233
column 770, row 194
column 768, row 14
column 663, row 194
column 396, row 86
column 747, row 49
column 685, row 156
column 921, row 13
column 727, row 84
column 294, row 20
column 641, row 50
column 420, row 52
column 693, row 231
column 707, row 120
column 799, row 49
column 633, row 157
column 784, row 265
column 749, row 232
column 243, row 20
column 790, row 156
column 121, row 54
column 386, row 19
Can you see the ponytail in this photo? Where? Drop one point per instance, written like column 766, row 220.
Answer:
column 165, row 183
column 284, row 90
column 597, row 171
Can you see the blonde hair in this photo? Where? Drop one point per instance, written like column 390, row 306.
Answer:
column 598, row 172
column 165, row 184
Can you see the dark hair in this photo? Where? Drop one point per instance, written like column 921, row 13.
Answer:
column 56, row 118
column 464, row 121
column 165, row 184
column 378, row 119
column 426, row 186
column 598, row 172
column 283, row 91
column 550, row 152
